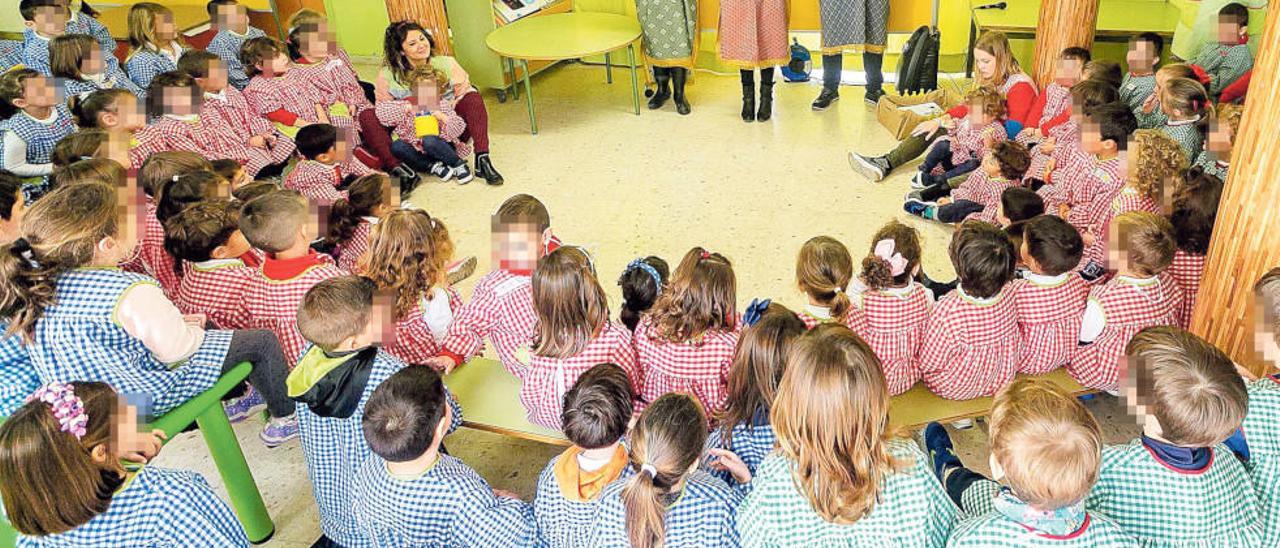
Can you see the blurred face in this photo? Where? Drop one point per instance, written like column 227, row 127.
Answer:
column 416, row 46
column 92, row 62
column 317, row 45
column 516, row 246
column 1091, row 139
column 990, row 165
column 9, row 228
column 977, row 115
column 1141, row 57
column 37, row 92
column 1219, row 141
column 1068, row 72
column 1264, row 331
column 117, row 148
column 234, row 18
column 985, row 62
column 114, row 249
column 49, row 21
column 275, row 66
column 179, row 102
column 428, row 95
column 216, row 81
column 127, row 116
column 1229, row 31
column 165, row 29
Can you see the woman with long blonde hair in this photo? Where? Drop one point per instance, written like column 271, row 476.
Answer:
column 839, row 477
column 994, row 67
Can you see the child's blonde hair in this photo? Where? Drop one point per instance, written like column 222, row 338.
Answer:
column 93, row 170
column 1189, row 386
column 1230, row 113
column 1048, row 444
column 569, row 302
column 988, row 98
column 408, row 254
column 142, row 26
column 702, row 297
column 823, row 271
column 1147, row 240
column 831, row 416
column 877, row 273
column 67, row 52
column 1268, row 292
column 428, row 73
column 81, row 145
column 668, row 437
column 1185, row 95
column 1160, row 160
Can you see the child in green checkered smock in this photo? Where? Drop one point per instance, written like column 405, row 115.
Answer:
column 1045, row 449
column 1215, row 159
column 1149, row 113
column 831, row 389
column 1262, row 421
column 1140, row 82
column 1177, row 485
column 1186, row 105
column 1224, row 61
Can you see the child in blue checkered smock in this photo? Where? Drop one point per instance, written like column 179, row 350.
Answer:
column 830, row 414
column 666, row 501
column 1045, row 450
column 231, row 22
column 154, row 44
column 1262, row 421
column 744, row 428
column 10, row 54
column 77, row 62
column 1177, row 485
column 597, row 410
column 45, row 21
column 18, row 378
column 74, row 490
column 408, row 493
column 37, row 121
column 331, row 384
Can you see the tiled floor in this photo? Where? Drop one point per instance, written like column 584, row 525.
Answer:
column 625, row 186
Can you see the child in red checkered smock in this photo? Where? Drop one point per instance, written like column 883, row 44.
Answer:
column 501, row 306
column 971, row 343
column 1195, row 209
column 1154, row 161
column 326, row 65
column 686, row 342
column 1062, row 141
column 894, row 306
column 322, row 172
column 573, row 334
column 438, row 147
column 1141, row 295
column 823, row 272
column 978, row 198
column 240, row 133
column 207, row 238
column 351, row 219
column 174, row 108
column 1050, row 296
column 641, row 283
column 151, row 258
column 1095, row 177
column 408, row 255
column 277, row 224
column 965, row 145
column 285, row 96
column 1053, row 105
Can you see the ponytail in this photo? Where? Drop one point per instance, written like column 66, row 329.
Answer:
column 824, row 269
column 363, row 197
column 28, row 288
column 641, row 284
column 666, row 442
column 645, row 505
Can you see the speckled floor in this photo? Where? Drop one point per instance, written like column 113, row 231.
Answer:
column 625, row 186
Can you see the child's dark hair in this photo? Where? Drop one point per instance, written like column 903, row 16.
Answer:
column 28, row 8
column 1115, row 123
column 641, row 283
column 1092, row 93
column 10, row 188
column 824, row 269
column 1189, row 386
column 1104, row 70
column 212, row 7
column 1053, row 243
column 227, row 168
column 257, row 50
column 758, row 363
column 58, row 233
column 1235, row 13
column 667, row 439
column 88, row 109
column 316, row 139
column 253, row 190
column 983, row 257
column 1186, row 95
column 1014, row 159
column 402, row 414
column 162, row 168
column 1076, row 53
column 363, row 197
column 156, row 106
column 1195, row 209
column 51, row 483
column 193, row 233
column 196, row 62
column 1156, row 41
column 877, row 273
column 522, row 209
column 597, row 409
column 12, row 85
column 336, row 310
column 1021, row 204
column 271, row 221
column 192, row 188
column 81, row 145
column 701, row 297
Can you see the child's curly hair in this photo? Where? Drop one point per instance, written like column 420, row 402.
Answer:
column 1160, row 159
column 1230, row 113
column 990, row 99
column 427, row 73
column 1013, row 157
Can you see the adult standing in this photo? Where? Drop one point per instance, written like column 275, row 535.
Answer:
column 408, row 46
column 853, row 26
column 753, row 34
column 670, row 45
column 996, row 68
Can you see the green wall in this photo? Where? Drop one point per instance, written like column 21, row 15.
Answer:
column 358, row 25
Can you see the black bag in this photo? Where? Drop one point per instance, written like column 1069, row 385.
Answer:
column 918, row 70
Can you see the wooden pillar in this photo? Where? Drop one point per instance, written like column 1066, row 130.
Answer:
column 1246, row 236
column 1062, row 24
column 428, row 13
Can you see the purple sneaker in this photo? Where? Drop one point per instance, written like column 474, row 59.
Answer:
column 279, row 430
column 243, row 407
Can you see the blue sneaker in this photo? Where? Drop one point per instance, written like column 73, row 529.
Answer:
column 279, row 430
column 916, row 207
column 941, row 452
column 243, row 407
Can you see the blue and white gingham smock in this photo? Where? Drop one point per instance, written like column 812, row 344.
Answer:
column 703, row 515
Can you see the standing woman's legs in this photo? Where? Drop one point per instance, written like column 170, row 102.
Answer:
column 472, row 110
column 748, row 77
column 832, row 68
column 872, row 63
column 766, row 94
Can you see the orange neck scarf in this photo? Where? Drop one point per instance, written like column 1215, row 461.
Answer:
column 580, row 485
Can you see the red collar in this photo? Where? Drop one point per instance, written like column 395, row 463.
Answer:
column 286, row 269
column 250, row 259
column 1083, row 526
column 520, row 272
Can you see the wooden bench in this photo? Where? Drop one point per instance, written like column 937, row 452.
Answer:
column 490, row 400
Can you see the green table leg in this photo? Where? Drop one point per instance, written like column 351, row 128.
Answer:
column 608, row 69
column 243, row 491
column 528, row 97
column 515, row 82
column 635, row 91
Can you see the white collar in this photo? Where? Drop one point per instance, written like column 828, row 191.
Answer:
column 1134, row 280
column 819, row 312
column 1183, row 122
column 53, row 116
column 216, row 263
column 173, row 52
column 221, row 95
column 187, row 118
column 976, row 300
column 899, row 291
column 371, row 220
column 1044, row 279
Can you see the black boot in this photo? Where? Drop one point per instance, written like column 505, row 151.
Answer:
column 748, row 102
column 663, row 76
column 678, row 78
column 766, row 102
column 484, row 168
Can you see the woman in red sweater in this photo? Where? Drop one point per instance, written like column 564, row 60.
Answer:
column 997, row 68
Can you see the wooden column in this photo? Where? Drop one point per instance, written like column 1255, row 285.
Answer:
column 1062, row 24
column 1246, row 237
column 428, row 13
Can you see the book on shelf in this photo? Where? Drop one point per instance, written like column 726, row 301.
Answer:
column 513, row 10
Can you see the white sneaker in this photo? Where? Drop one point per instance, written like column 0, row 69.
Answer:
column 962, row 424
column 916, row 182
column 442, row 171
column 463, row 174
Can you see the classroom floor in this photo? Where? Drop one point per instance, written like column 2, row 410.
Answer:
column 625, row 186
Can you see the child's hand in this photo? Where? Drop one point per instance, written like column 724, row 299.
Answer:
column 505, row 494
column 1047, row 145
column 1089, row 237
column 727, row 461
column 1064, row 210
column 145, row 447
column 258, row 141
column 1151, row 103
column 1048, row 166
column 440, row 363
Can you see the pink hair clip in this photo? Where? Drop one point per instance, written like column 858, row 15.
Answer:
column 897, row 263
column 66, row 407
column 706, row 254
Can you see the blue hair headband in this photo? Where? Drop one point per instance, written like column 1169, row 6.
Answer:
column 651, row 271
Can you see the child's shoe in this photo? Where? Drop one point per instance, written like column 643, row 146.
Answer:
column 919, row 208
column 962, row 424
column 243, row 407
column 463, row 174
column 279, row 430
column 872, row 168
column 442, row 171
column 941, row 453
column 918, row 182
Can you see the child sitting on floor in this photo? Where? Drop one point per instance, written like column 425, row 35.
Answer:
column 352, row 218
column 641, row 283
column 76, row 59
column 48, row 19
column 597, row 411
column 971, row 344
column 1062, row 141
column 285, row 96
column 154, row 43
column 121, row 115
column 1140, row 82
column 151, row 258
column 1263, row 416
column 895, row 307
column 323, row 172
column 966, row 144
column 1050, row 296
column 428, row 129
column 572, row 334
column 978, row 197
column 1140, row 295
column 230, row 23
column 331, row 385
column 207, row 237
column 1150, row 115
column 1056, row 97
column 1104, row 70
column 1017, row 206
column 239, row 132
column 1215, row 159
column 823, row 272
column 409, row 492
column 1195, row 209
column 1188, row 398
column 324, row 63
column 1045, row 449
column 1219, row 64
column 173, row 108
column 35, row 122
column 1185, row 105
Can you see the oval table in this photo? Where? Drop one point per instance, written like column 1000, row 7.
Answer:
column 566, row 36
